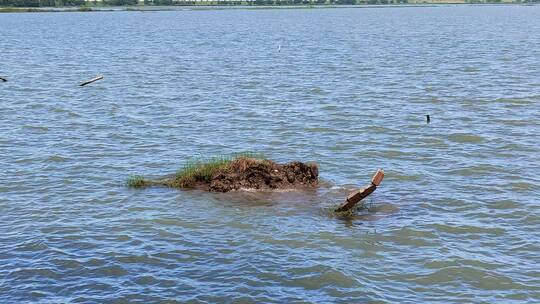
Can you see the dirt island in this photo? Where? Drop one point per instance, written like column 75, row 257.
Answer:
column 224, row 175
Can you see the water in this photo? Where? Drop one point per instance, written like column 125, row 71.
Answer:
column 455, row 220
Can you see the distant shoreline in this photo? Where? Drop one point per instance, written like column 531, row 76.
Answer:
column 151, row 8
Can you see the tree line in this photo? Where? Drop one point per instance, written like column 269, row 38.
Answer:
column 49, row 3
column 52, row 3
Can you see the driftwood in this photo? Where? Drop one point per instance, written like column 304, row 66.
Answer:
column 3, row 79
column 91, row 80
column 355, row 197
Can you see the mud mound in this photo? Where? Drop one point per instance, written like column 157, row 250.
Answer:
column 223, row 175
column 249, row 173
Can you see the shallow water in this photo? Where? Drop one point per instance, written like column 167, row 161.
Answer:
column 455, row 220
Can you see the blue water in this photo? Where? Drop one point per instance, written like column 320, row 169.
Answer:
column 455, row 220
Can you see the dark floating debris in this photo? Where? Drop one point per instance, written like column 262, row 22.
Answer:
column 428, row 119
column 91, row 80
column 226, row 174
column 3, row 79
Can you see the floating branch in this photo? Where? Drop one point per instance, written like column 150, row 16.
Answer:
column 355, row 197
column 3, row 79
column 91, row 80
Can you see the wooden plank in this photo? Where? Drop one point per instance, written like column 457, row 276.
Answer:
column 378, row 177
column 355, row 197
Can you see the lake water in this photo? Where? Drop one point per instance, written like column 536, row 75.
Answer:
column 455, row 220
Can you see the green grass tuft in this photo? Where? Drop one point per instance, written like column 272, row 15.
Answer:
column 363, row 207
column 196, row 170
column 18, row 10
column 344, row 214
column 202, row 169
column 199, row 170
column 136, row 181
